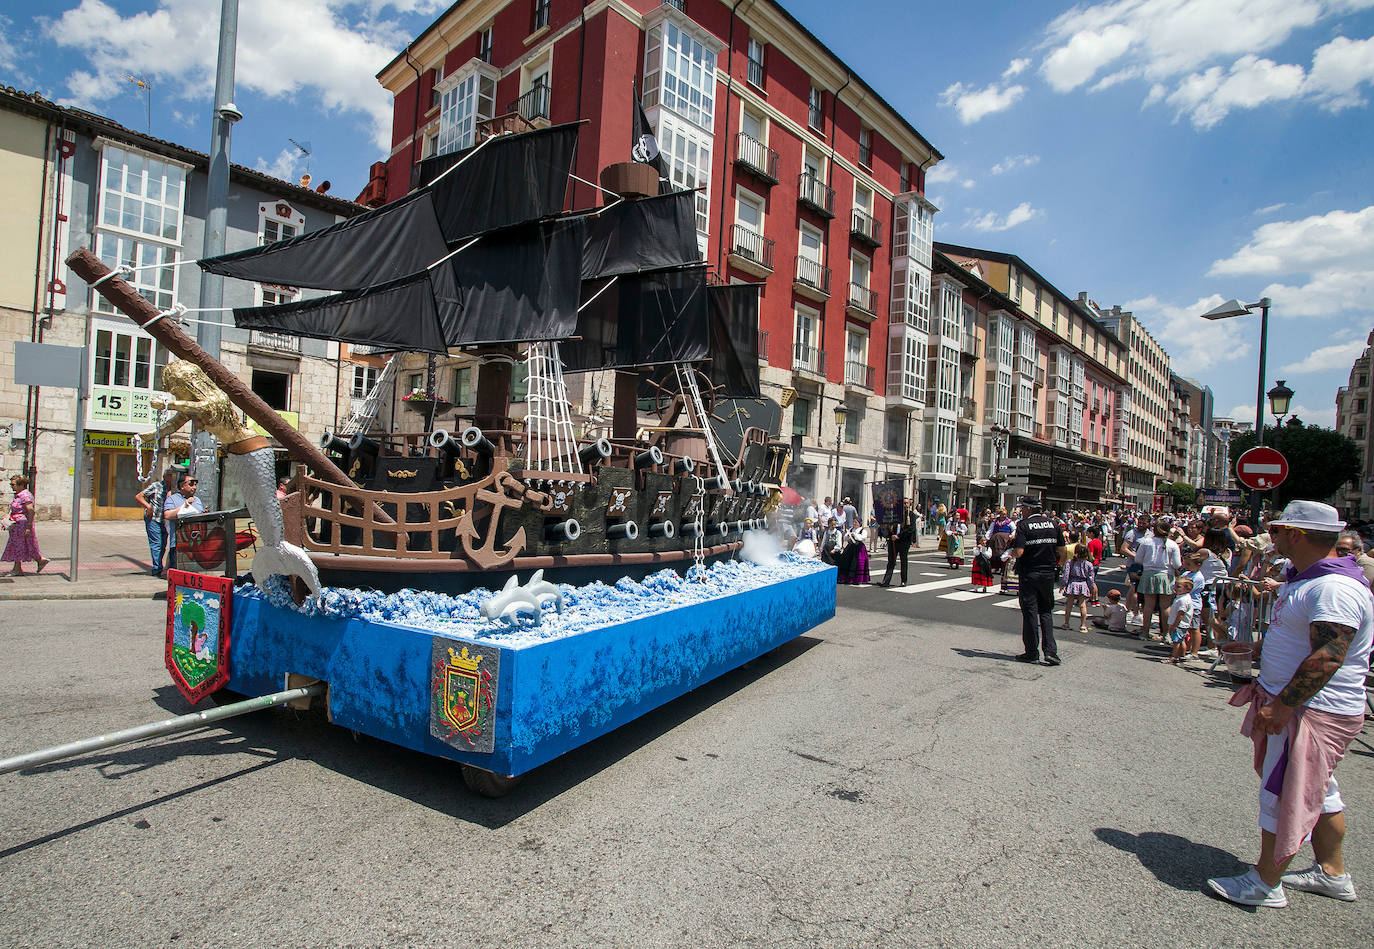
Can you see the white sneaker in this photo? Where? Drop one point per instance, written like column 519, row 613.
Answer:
column 1248, row 890
column 1316, row 880
column 1208, row 653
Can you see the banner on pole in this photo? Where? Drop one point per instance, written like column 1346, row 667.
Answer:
column 889, row 501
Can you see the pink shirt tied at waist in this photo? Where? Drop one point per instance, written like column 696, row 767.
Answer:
column 1317, row 741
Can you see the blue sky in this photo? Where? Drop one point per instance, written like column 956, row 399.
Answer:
column 1160, row 154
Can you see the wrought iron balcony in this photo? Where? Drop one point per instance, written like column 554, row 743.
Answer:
column 862, row 298
column 533, row 104
column 811, row 273
column 756, row 158
column 816, row 194
column 808, row 359
column 277, row 342
column 858, row 374
column 749, row 245
column 866, row 228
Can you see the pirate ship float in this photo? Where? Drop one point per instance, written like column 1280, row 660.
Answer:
column 482, row 258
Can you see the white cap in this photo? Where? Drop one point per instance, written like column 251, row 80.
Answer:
column 1312, row 515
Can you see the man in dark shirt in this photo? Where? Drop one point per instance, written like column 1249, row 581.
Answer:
column 899, row 544
column 1039, row 547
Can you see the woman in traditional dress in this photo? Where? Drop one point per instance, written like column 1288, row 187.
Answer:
column 982, row 565
column 23, row 541
column 956, row 535
column 853, row 559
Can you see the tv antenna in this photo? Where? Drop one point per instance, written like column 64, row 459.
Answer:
column 304, row 150
column 147, row 86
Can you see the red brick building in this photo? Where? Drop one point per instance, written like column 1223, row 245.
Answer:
column 811, row 182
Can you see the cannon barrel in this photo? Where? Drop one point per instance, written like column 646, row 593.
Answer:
column 333, row 445
column 626, row 530
column 474, row 440
column 592, row 452
column 662, row 529
column 683, row 466
column 644, row 459
column 565, row 530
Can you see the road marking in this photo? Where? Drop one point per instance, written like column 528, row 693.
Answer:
column 962, row 595
column 1012, row 604
column 932, row 585
column 933, row 574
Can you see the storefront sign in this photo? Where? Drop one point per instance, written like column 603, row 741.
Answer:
column 120, row 404
column 119, row 441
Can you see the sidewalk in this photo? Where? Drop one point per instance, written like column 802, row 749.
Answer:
column 114, row 564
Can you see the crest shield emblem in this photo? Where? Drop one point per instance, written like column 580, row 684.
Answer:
column 197, row 641
column 463, row 695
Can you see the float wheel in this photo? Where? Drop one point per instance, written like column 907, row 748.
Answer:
column 487, row 783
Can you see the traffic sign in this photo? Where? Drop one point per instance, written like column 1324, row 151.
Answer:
column 1261, row 468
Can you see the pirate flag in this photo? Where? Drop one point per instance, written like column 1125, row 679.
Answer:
column 645, row 148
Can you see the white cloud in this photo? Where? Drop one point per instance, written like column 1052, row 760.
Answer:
column 1330, row 253
column 974, row 104
column 1270, row 208
column 305, row 48
column 1016, row 68
column 991, row 221
column 1086, row 52
column 1208, row 97
column 1194, row 345
column 1242, row 413
column 1326, row 358
column 946, row 172
column 1012, row 162
column 1206, row 58
column 1325, row 417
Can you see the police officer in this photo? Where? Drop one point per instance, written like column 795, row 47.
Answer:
column 1039, row 547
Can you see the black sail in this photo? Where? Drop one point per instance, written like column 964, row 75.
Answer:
column 517, row 285
column 511, row 180
column 641, row 320
column 645, row 234
column 734, row 356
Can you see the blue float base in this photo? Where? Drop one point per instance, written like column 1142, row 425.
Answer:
column 550, row 696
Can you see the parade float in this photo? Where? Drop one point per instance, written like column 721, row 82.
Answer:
column 498, row 591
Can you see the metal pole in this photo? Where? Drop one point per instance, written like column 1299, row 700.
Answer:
column 79, row 456
column 168, row 726
column 217, row 178
column 1259, row 401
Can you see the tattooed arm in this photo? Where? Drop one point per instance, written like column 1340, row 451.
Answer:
column 1330, row 642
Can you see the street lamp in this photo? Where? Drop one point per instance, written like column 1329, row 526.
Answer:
column 1000, row 434
column 1235, row 308
column 1280, row 398
column 1077, row 471
column 841, row 414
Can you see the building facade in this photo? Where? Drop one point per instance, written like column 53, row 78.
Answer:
column 1143, row 422
column 1355, row 420
column 79, row 180
column 810, row 184
column 1042, row 368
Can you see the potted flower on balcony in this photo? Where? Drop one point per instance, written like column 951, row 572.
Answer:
column 415, row 401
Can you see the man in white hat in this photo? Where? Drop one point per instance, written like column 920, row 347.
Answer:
column 1305, row 709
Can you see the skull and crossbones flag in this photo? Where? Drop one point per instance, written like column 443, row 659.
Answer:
column 645, row 147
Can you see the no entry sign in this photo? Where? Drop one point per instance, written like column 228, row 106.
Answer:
column 1261, row 469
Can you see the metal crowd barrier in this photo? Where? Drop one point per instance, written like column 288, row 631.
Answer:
column 1255, row 605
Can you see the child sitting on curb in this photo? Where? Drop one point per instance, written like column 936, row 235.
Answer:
column 1113, row 618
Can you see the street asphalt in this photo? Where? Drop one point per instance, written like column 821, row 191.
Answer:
column 886, row 779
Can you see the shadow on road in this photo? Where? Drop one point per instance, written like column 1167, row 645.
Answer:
column 1174, row 860
column 283, row 734
column 982, row 654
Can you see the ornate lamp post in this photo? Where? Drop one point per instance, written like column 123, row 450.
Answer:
column 1000, row 434
column 841, row 414
column 1235, row 308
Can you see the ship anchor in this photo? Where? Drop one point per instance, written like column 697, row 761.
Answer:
column 507, row 492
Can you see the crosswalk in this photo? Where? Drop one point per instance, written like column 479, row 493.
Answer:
column 956, row 585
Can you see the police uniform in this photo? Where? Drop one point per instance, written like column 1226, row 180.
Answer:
column 1038, row 538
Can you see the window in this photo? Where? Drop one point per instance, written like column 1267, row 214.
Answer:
column 863, row 199
column 541, row 15
column 141, row 195
column 866, row 147
column 680, row 81
column 415, row 382
column 749, row 211
column 853, row 420
column 906, row 177
column 274, row 388
column 801, row 416
column 436, row 96
column 125, row 371
column 462, row 386
column 139, row 221
column 364, row 380
column 815, row 116
column 810, row 246
column 859, row 269
column 467, row 99
column 755, row 72
column 484, row 45
column 856, row 357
